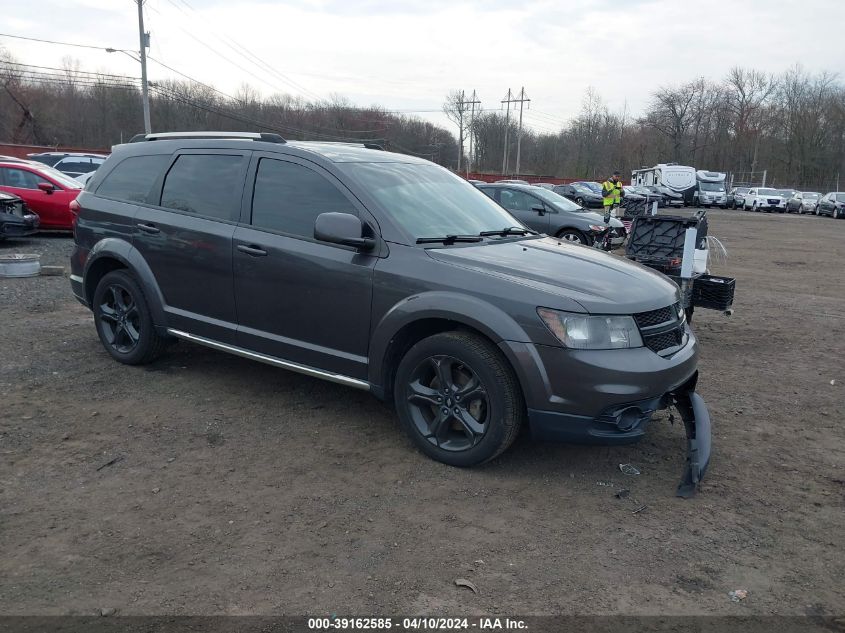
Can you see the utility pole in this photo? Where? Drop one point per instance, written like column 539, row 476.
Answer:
column 462, row 104
column 522, row 99
column 470, row 156
column 145, row 42
column 508, row 99
column 461, row 107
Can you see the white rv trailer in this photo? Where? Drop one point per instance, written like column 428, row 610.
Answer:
column 678, row 178
column 710, row 189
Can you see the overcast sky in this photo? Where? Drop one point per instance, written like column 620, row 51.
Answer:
column 407, row 54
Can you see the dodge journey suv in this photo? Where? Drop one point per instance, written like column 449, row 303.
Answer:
column 386, row 273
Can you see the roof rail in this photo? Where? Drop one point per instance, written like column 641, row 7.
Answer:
column 166, row 136
column 364, row 144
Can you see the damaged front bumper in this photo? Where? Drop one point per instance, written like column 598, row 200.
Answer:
column 627, row 423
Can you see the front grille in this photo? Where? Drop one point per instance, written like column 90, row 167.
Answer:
column 661, row 329
column 665, row 340
column 656, row 317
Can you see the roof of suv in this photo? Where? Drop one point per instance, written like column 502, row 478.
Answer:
column 332, row 152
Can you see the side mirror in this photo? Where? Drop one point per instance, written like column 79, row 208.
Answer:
column 46, row 187
column 539, row 209
column 342, row 228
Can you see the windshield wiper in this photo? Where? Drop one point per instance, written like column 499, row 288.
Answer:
column 449, row 239
column 511, row 230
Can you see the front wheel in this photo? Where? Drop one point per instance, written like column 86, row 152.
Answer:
column 458, row 398
column 836, row 214
column 123, row 320
column 572, row 235
column 579, row 201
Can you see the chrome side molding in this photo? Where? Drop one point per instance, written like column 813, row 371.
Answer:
column 270, row 360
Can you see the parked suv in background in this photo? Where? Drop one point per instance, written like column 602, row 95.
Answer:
column 547, row 212
column 387, row 273
column 71, row 163
column 764, row 199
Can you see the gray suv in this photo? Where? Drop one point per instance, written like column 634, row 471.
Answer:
column 385, row 273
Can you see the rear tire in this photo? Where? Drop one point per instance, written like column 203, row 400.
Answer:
column 123, row 320
column 476, row 416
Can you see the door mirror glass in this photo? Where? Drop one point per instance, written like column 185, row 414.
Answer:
column 342, row 228
column 46, row 187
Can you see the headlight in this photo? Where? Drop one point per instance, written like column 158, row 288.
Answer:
column 577, row 331
column 597, row 228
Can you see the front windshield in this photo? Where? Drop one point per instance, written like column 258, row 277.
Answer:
column 840, row 197
column 811, row 196
column 743, row 190
column 63, row 179
column 711, row 186
column 557, row 200
column 429, row 201
column 768, row 192
column 788, row 193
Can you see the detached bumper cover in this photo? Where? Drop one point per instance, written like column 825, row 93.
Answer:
column 696, row 419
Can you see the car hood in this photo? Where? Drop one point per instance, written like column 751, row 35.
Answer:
column 601, row 283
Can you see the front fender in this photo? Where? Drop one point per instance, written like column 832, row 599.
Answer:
column 120, row 250
column 466, row 310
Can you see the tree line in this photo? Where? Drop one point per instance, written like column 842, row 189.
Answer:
column 66, row 106
column 792, row 126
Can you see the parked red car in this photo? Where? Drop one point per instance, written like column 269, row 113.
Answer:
column 46, row 191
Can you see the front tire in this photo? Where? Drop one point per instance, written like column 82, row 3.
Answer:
column 458, row 398
column 579, row 201
column 572, row 235
column 836, row 213
column 123, row 320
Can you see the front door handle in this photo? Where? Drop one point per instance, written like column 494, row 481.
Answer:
column 152, row 229
column 252, row 250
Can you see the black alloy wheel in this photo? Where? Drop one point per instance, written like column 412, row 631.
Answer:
column 123, row 320
column 119, row 318
column 458, row 398
column 448, row 403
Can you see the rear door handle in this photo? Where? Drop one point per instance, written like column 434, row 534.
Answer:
column 149, row 228
column 252, row 250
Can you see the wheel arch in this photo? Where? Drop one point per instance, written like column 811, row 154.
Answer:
column 112, row 254
column 420, row 316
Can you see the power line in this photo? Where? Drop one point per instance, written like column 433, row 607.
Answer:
column 35, row 39
column 252, row 57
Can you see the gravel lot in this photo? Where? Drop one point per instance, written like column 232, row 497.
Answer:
column 240, row 488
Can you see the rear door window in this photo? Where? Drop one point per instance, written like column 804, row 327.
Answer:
column 205, row 184
column 133, row 177
column 288, row 197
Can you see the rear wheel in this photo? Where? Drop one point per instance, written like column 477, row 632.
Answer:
column 573, row 235
column 458, row 398
column 123, row 320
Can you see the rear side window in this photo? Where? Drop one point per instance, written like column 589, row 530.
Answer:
column 133, row 177
column 205, row 184
column 289, row 197
column 490, row 193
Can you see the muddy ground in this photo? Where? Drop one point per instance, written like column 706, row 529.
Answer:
column 240, row 488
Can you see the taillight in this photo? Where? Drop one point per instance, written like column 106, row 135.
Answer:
column 74, row 212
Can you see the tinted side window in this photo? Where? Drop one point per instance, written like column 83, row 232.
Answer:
column 132, row 178
column 517, row 200
column 205, row 184
column 20, row 178
column 289, row 197
column 76, row 165
column 490, row 193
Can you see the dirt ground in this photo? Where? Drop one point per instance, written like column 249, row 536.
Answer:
column 243, row 489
